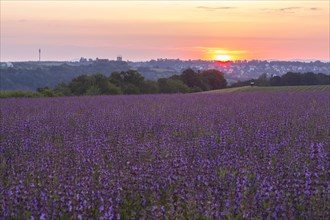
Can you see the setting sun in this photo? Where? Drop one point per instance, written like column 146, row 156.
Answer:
column 223, row 54
column 223, row 58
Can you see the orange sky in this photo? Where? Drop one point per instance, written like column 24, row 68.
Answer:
column 143, row 30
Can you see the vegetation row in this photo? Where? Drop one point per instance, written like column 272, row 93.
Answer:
column 132, row 82
column 288, row 79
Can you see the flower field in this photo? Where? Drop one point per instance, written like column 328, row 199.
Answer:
column 208, row 156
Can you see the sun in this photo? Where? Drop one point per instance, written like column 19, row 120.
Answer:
column 223, row 58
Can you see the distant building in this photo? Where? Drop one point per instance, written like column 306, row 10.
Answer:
column 119, row 58
column 6, row 65
column 83, row 60
column 102, row 60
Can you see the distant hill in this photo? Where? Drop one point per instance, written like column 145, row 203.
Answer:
column 33, row 75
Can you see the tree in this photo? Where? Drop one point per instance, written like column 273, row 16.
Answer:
column 242, row 83
column 112, row 89
column 129, row 88
column 213, row 79
column 101, row 82
column 63, row 89
column 172, row 86
column 149, row 87
column 45, row 91
column 191, row 78
column 117, row 78
column 262, row 80
column 80, row 84
column 309, row 79
column 129, row 81
column 93, row 90
column 275, row 81
column 323, row 79
column 291, row 79
column 133, row 77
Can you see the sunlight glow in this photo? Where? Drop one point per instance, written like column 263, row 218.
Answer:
column 223, row 54
column 170, row 29
column 223, row 58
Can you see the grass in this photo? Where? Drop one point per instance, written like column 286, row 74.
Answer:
column 273, row 89
column 15, row 94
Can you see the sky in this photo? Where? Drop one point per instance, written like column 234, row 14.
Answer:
column 144, row 30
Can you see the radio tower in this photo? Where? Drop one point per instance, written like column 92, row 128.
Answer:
column 39, row 54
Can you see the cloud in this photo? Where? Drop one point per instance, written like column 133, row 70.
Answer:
column 214, row 8
column 220, row 50
column 289, row 9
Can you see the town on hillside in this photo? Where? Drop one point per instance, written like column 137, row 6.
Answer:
column 50, row 73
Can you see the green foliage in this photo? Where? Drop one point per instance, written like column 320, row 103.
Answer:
column 29, row 94
column 288, row 79
column 63, row 90
column 97, row 84
column 149, row 87
column 81, row 84
column 191, row 78
column 125, row 82
column 132, row 82
column 46, row 92
column 203, row 81
column 172, row 86
column 309, row 78
column 133, row 77
column 100, row 83
column 31, row 75
column 93, row 90
column 292, row 79
column 213, row 79
column 196, row 89
column 116, row 78
column 275, row 81
column 323, row 79
column 242, row 83
column 262, row 80
column 112, row 89
column 16, row 94
column 130, row 88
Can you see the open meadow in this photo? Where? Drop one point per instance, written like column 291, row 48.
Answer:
column 309, row 88
column 250, row 155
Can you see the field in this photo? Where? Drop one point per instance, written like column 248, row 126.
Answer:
column 236, row 155
column 273, row 89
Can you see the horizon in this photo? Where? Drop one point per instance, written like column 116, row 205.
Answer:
column 136, row 61
column 146, row 30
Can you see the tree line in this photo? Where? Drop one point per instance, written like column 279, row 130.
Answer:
column 132, row 82
column 28, row 76
column 288, row 79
